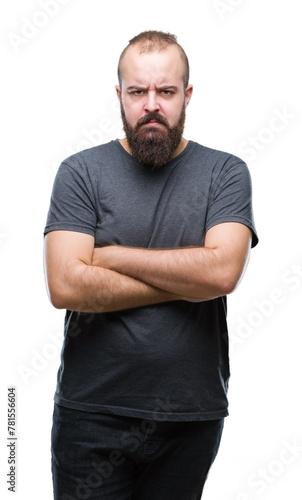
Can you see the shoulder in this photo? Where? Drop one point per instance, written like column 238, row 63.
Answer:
column 215, row 156
column 218, row 163
column 91, row 156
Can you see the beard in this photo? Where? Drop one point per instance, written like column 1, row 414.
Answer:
column 153, row 146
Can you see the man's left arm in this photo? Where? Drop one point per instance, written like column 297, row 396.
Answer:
column 199, row 272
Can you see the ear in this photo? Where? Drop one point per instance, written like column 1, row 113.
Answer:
column 118, row 91
column 188, row 94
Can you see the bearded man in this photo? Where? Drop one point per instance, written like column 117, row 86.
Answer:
column 145, row 237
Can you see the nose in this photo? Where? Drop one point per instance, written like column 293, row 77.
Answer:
column 151, row 104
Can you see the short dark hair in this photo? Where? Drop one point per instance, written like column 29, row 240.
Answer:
column 151, row 41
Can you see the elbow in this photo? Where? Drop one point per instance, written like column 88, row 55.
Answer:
column 227, row 287
column 216, row 289
column 57, row 298
column 57, row 293
column 58, row 304
column 228, row 283
column 63, row 297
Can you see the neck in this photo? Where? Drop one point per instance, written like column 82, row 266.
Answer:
column 181, row 146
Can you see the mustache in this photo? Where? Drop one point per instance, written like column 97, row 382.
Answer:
column 152, row 116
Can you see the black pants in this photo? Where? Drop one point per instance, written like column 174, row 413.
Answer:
column 97, row 456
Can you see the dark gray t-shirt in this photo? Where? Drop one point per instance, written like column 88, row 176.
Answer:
column 166, row 361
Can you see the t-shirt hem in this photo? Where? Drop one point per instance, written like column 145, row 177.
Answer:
column 145, row 414
column 62, row 226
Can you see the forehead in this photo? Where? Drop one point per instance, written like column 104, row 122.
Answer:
column 164, row 67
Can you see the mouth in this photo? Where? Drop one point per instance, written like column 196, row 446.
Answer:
column 153, row 123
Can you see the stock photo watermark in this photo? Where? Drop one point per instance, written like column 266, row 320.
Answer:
column 265, row 308
column 33, row 24
column 245, row 328
column 40, row 359
column 12, row 438
column 91, row 138
column 254, row 144
column 130, row 442
column 268, row 474
column 225, row 7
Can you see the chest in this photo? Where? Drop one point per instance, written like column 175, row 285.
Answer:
column 152, row 211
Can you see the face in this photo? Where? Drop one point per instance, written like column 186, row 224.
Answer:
column 153, row 102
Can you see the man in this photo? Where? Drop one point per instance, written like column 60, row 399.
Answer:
column 145, row 238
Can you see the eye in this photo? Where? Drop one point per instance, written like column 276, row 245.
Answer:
column 137, row 92
column 167, row 92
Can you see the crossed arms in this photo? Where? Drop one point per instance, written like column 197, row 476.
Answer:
column 83, row 278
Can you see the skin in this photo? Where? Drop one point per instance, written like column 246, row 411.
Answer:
column 82, row 278
column 153, row 82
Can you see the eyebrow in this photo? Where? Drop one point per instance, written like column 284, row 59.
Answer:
column 164, row 87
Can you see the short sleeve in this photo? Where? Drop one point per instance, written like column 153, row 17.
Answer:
column 231, row 197
column 72, row 206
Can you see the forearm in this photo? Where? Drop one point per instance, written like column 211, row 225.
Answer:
column 190, row 272
column 199, row 273
column 88, row 288
column 83, row 278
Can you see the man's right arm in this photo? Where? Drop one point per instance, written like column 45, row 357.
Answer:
column 74, row 284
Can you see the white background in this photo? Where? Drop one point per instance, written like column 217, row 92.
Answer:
column 58, row 76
